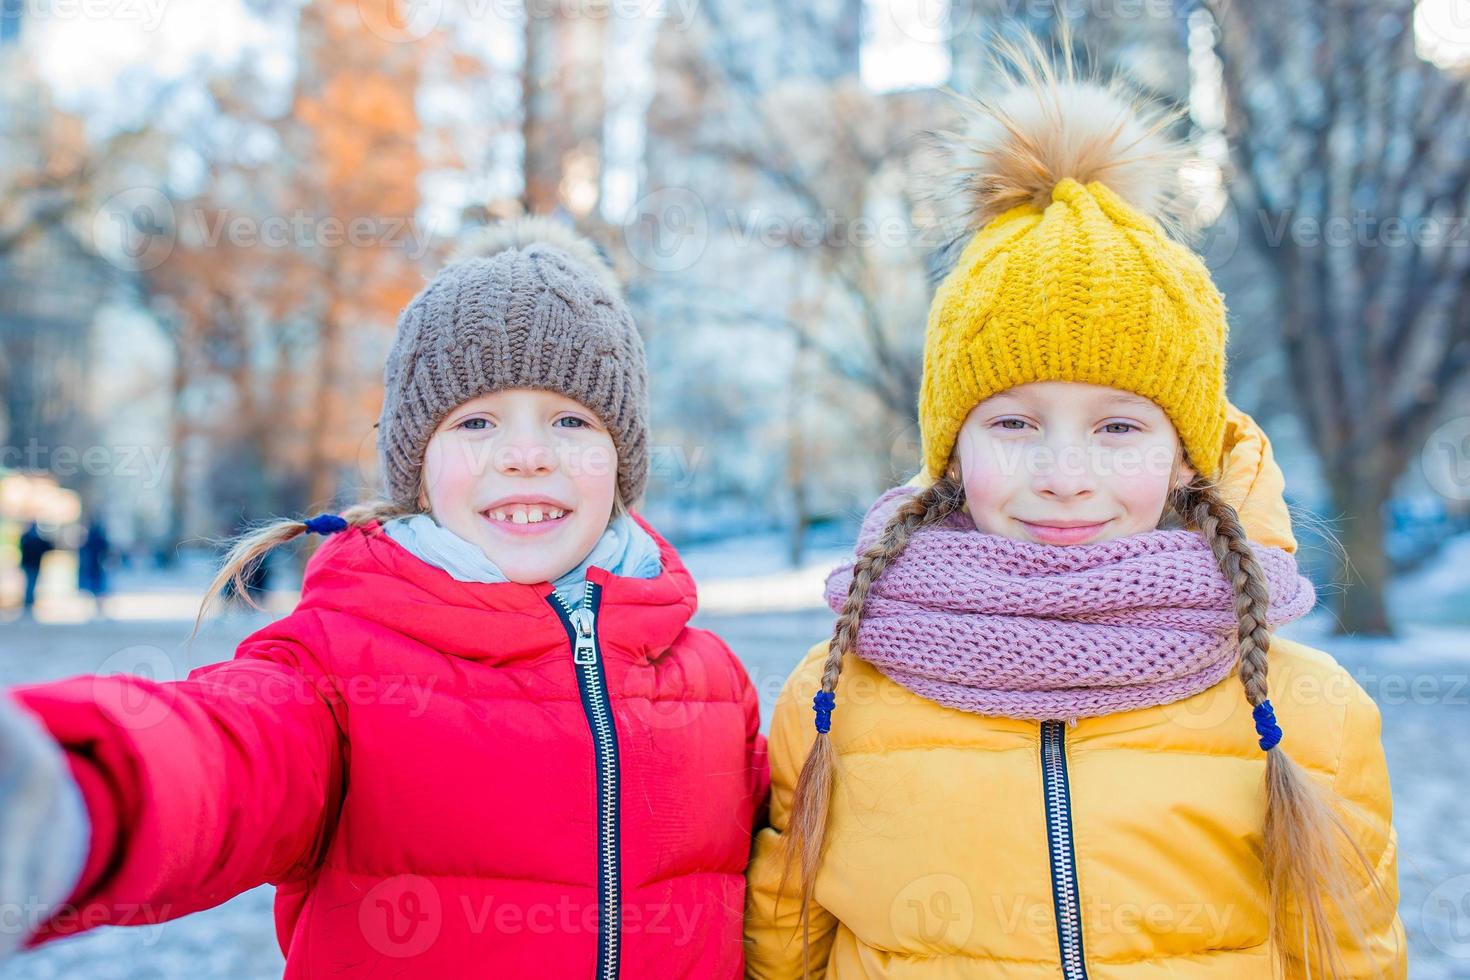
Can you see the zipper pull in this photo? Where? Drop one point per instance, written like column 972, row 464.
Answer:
column 585, row 652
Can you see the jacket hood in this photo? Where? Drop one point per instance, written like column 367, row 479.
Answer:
column 364, row 573
column 1250, row 481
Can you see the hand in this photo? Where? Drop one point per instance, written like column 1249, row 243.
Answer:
column 44, row 829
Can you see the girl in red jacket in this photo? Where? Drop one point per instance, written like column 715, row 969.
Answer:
column 487, row 742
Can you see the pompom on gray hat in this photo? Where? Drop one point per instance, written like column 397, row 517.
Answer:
column 527, row 304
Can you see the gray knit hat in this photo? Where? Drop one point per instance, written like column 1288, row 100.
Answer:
column 528, row 304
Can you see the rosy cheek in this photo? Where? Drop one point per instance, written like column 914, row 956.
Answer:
column 449, row 471
column 991, row 462
column 597, row 468
column 1141, row 492
column 983, row 492
column 593, row 469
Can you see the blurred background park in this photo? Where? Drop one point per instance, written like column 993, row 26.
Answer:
column 211, row 212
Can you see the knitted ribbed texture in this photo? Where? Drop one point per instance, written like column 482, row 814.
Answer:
column 532, row 316
column 1000, row 626
column 1086, row 290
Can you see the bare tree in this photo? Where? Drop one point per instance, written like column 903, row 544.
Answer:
column 1353, row 165
column 562, row 104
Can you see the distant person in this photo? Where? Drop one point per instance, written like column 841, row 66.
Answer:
column 92, row 558
column 33, row 547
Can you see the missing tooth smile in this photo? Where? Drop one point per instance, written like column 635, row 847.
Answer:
column 523, row 514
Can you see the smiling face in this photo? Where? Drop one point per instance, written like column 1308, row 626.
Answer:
column 1064, row 463
column 530, row 476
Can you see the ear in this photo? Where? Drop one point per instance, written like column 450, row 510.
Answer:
column 1187, row 474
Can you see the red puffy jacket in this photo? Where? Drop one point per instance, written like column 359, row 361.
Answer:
column 442, row 779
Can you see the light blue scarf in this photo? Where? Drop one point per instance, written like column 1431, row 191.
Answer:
column 624, row 549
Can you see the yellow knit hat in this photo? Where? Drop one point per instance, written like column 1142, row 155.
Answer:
column 1068, row 273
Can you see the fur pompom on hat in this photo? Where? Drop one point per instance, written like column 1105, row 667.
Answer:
column 523, row 304
column 1056, row 195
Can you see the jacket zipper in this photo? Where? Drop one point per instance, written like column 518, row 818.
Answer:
column 581, row 627
column 1065, row 900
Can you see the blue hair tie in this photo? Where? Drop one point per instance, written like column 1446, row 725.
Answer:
column 823, row 704
column 1266, row 726
column 325, row 524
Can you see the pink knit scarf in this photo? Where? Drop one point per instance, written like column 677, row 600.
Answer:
column 999, row 626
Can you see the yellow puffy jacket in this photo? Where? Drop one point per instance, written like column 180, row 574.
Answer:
column 939, row 860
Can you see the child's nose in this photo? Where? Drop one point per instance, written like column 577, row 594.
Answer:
column 1068, row 471
column 526, row 456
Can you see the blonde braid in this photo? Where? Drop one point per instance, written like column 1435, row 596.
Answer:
column 811, row 799
column 1303, row 826
column 1220, row 526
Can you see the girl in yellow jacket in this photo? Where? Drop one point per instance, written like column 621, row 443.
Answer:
column 1042, row 741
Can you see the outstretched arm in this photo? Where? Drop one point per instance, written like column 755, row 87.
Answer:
column 197, row 790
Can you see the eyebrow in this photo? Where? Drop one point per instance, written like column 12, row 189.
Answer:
column 1126, row 398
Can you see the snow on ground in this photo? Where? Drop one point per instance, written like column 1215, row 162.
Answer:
column 771, row 615
column 1440, row 591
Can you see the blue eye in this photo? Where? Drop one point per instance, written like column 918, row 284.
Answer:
column 471, row 424
column 1019, row 422
column 579, row 423
column 1127, row 426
